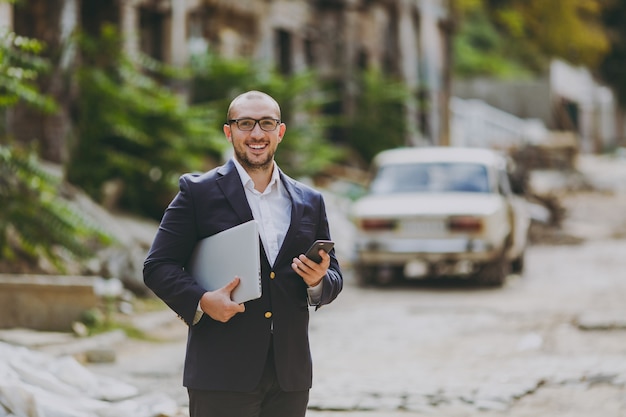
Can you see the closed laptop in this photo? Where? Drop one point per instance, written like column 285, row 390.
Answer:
column 235, row 252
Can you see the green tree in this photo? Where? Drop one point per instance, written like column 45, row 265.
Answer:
column 480, row 50
column 43, row 20
column 133, row 133
column 379, row 120
column 20, row 65
column 35, row 223
column 528, row 33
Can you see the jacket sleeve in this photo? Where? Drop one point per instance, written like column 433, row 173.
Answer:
column 333, row 281
column 163, row 270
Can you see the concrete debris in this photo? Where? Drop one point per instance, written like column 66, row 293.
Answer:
column 35, row 384
column 597, row 321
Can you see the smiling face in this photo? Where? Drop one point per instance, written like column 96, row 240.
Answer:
column 254, row 149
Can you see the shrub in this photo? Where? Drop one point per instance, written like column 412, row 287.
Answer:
column 35, row 222
column 379, row 120
column 133, row 131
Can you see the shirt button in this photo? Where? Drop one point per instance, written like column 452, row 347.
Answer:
column 268, row 314
column 272, row 275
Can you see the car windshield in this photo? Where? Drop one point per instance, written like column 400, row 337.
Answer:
column 431, row 177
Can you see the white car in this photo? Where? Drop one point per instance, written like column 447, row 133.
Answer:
column 440, row 211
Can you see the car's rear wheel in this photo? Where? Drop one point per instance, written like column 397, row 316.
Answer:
column 365, row 274
column 494, row 273
column 517, row 265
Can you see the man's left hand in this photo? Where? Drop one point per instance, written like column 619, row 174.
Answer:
column 311, row 272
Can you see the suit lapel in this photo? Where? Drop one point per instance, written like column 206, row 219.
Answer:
column 230, row 184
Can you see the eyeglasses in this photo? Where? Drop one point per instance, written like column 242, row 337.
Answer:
column 247, row 124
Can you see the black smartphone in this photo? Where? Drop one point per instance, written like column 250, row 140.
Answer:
column 313, row 252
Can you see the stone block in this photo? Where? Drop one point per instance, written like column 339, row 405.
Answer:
column 45, row 302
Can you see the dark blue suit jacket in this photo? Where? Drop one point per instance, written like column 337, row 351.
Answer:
column 231, row 356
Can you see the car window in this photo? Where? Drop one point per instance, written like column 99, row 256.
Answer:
column 431, row 177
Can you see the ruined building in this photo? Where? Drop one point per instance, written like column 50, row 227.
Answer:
column 409, row 39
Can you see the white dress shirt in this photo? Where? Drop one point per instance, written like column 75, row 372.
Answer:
column 270, row 208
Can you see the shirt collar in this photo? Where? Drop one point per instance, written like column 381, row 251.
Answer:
column 247, row 181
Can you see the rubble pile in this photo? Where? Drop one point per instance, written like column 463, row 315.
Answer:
column 35, row 384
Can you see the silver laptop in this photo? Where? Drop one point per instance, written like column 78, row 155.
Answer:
column 218, row 259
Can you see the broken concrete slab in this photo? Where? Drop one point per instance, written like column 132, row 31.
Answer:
column 45, row 302
column 600, row 321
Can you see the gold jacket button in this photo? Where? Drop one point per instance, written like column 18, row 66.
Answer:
column 272, row 275
column 268, row 314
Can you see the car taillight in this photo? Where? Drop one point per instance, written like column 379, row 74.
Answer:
column 467, row 224
column 377, row 224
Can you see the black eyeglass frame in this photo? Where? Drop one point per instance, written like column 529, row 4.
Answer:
column 256, row 121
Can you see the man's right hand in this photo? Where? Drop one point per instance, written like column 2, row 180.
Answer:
column 218, row 304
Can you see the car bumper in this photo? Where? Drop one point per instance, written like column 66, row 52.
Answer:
column 400, row 252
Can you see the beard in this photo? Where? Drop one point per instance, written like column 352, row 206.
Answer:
column 260, row 163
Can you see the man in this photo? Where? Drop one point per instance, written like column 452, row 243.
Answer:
column 250, row 359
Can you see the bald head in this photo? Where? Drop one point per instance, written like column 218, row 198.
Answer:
column 248, row 96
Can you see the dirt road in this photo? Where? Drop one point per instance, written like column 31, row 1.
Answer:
column 549, row 343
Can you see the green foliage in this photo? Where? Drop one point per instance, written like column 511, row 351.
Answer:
column 513, row 38
column 134, row 131
column 34, row 221
column 216, row 80
column 568, row 29
column 104, row 319
column 379, row 122
column 20, row 65
column 305, row 151
column 479, row 50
